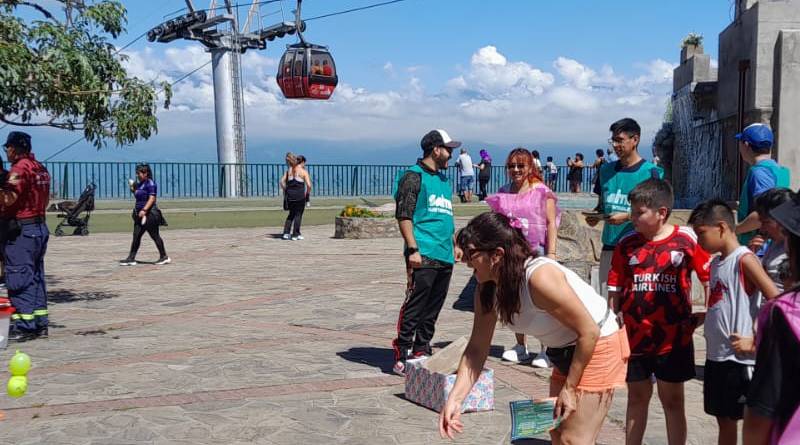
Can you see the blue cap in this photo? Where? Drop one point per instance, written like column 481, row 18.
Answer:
column 759, row 136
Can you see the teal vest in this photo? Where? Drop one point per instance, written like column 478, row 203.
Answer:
column 782, row 177
column 615, row 185
column 433, row 216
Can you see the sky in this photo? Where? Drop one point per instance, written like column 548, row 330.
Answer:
column 546, row 75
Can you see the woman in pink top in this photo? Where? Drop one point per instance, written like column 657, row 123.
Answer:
column 527, row 198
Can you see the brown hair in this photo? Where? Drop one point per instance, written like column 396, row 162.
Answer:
column 536, row 174
column 486, row 232
column 653, row 193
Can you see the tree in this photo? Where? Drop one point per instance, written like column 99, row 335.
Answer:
column 58, row 69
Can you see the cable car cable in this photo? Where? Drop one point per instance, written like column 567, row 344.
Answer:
column 347, row 11
column 180, row 79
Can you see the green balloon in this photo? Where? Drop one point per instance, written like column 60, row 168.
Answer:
column 20, row 364
column 17, row 386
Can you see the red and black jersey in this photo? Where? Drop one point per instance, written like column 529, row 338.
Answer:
column 654, row 278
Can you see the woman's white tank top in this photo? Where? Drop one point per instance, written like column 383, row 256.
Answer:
column 550, row 332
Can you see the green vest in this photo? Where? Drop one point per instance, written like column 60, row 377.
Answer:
column 433, row 216
column 614, row 188
column 782, row 177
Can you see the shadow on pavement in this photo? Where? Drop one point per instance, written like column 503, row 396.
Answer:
column 382, row 358
column 466, row 299
column 67, row 296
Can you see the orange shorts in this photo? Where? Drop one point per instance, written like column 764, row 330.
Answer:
column 608, row 366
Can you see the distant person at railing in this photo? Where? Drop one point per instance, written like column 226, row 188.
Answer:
column 552, row 173
column 575, row 175
column 296, row 186
column 596, row 187
column 146, row 215
column 466, row 168
column 485, row 174
column 537, row 163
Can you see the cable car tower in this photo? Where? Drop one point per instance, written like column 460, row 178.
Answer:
column 221, row 35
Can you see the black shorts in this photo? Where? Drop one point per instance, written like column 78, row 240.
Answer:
column 725, row 386
column 676, row 366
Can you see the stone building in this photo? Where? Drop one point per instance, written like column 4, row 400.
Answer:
column 757, row 80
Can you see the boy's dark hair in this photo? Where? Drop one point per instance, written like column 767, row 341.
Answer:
column 600, row 153
column 627, row 126
column 549, row 159
column 579, row 156
column 772, row 198
column 653, row 194
column 712, row 212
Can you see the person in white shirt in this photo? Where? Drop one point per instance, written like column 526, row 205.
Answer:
column 467, row 175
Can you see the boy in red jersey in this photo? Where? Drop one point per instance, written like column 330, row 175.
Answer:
column 650, row 284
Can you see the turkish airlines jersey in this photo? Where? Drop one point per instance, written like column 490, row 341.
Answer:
column 30, row 181
column 654, row 278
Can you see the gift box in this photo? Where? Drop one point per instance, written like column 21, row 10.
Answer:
column 430, row 380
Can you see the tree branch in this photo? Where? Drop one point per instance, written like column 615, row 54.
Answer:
column 50, row 123
column 41, row 9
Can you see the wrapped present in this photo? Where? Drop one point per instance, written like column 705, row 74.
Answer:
column 430, row 380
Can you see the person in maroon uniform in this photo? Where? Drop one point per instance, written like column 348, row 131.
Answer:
column 650, row 284
column 24, row 197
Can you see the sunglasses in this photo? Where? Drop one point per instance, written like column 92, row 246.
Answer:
column 517, row 166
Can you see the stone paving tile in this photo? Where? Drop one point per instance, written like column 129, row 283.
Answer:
column 248, row 339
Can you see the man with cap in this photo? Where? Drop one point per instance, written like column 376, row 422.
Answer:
column 755, row 146
column 24, row 198
column 425, row 216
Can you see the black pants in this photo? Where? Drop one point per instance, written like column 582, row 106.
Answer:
column 295, row 218
column 483, row 182
column 417, row 321
column 151, row 227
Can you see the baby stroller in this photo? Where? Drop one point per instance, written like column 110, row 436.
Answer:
column 72, row 210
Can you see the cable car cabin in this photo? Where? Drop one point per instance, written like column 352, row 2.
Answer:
column 307, row 72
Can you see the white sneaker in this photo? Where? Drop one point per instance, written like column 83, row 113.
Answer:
column 541, row 360
column 517, row 354
column 286, row 236
column 294, row 238
column 298, row 237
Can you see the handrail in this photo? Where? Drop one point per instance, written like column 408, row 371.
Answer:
column 203, row 180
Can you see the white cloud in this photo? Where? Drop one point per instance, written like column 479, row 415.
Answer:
column 492, row 99
column 492, row 75
column 575, row 73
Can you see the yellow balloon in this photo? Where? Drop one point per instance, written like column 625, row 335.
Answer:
column 17, row 386
column 19, row 364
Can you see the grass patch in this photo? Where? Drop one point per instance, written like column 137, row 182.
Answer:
column 222, row 219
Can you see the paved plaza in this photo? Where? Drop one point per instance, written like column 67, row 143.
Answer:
column 246, row 338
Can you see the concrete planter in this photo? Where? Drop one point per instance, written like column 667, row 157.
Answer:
column 364, row 228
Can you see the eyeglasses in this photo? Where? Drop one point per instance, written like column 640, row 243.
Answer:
column 517, row 166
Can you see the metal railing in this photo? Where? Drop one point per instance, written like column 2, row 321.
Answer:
column 177, row 180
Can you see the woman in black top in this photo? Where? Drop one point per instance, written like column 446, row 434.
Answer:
column 485, row 173
column 575, row 175
column 296, row 186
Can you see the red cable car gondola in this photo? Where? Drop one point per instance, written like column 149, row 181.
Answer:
column 306, row 70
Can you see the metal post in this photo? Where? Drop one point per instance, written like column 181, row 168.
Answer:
column 224, row 113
